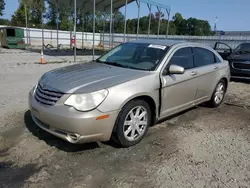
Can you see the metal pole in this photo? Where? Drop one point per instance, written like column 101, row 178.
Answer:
column 26, row 22
column 110, row 27
column 113, row 28
column 42, row 29
column 93, row 30
column 57, row 26
column 149, row 22
column 75, row 31
column 70, row 37
column 168, row 11
column 29, row 37
column 104, row 23
column 51, row 36
column 83, row 28
column 159, row 22
column 125, row 22
column 138, row 21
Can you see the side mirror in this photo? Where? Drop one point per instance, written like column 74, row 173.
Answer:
column 176, row 69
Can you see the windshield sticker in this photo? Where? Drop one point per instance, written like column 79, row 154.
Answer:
column 157, row 46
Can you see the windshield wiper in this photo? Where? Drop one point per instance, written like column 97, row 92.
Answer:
column 119, row 65
column 116, row 64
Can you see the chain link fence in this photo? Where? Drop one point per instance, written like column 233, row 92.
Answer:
column 84, row 40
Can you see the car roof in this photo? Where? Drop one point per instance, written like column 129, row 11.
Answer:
column 170, row 43
column 165, row 42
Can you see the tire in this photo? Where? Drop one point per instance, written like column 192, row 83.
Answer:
column 217, row 98
column 128, row 123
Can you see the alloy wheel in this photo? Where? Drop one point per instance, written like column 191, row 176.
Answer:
column 219, row 94
column 135, row 123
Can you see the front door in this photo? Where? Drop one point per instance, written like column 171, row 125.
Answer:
column 178, row 90
column 223, row 49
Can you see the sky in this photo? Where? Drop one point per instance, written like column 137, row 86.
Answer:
column 233, row 15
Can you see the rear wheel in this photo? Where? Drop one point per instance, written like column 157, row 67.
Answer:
column 132, row 123
column 218, row 94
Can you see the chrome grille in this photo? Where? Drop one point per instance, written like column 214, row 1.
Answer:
column 47, row 97
column 241, row 66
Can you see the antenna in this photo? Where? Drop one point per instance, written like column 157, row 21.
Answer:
column 215, row 24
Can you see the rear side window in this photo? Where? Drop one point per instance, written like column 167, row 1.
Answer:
column 203, row 57
column 183, row 57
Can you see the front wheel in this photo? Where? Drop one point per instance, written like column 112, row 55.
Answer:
column 218, row 94
column 132, row 123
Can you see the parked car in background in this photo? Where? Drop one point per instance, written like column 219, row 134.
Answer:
column 127, row 90
column 239, row 59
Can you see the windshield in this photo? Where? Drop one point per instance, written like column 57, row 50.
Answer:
column 244, row 47
column 140, row 56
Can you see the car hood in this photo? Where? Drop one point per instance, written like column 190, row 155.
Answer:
column 240, row 57
column 87, row 77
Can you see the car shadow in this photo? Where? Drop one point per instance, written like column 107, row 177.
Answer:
column 177, row 114
column 54, row 141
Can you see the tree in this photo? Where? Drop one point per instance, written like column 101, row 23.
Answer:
column 180, row 24
column 2, row 6
column 35, row 8
column 172, row 28
column 119, row 22
column 65, row 21
column 18, row 18
column 144, row 21
column 4, row 22
column 34, row 12
column 159, row 14
column 177, row 19
column 51, row 13
column 191, row 26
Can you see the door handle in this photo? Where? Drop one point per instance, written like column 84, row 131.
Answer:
column 216, row 67
column 193, row 73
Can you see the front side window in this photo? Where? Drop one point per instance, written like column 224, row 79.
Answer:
column 183, row 57
column 203, row 57
column 140, row 56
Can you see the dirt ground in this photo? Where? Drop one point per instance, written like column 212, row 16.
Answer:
column 201, row 147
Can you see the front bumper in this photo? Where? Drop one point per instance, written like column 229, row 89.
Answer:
column 71, row 125
column 239, row 73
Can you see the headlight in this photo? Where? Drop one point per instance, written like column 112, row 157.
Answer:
column 33, row 90
column 87, row 101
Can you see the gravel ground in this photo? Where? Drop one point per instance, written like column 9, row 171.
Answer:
column 201, row 147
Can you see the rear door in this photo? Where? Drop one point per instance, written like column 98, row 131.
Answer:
column 207, row 67
column 178, row 90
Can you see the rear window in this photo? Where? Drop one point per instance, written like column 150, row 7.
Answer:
column 11, row 32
